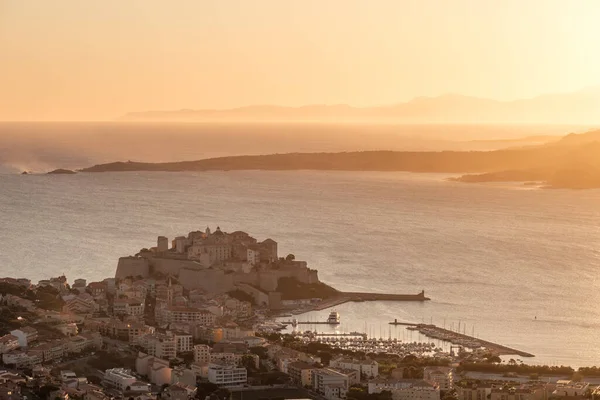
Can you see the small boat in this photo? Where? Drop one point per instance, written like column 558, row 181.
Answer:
column 334, row 318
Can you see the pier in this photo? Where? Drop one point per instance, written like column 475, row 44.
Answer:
column 461, row 339
column 345, row 297
column 396, row 322
column 351, row 335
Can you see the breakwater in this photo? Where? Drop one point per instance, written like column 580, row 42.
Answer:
column 461, row 339
column 345, row 297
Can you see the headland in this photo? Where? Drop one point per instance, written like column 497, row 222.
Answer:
column 569, row 163
column 218, row 262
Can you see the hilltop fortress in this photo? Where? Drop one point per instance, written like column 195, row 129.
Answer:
column 219, row 262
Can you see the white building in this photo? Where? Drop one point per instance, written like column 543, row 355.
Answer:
column 26, row 335
column 159, row 345
column 157, row 370
column 368, row 369
column 335, row 391
column 132, row 307
column 174, row 314
column 566, row 388
column 119, row 378
column 183, row 341
column 325, row 376
column 227, row 375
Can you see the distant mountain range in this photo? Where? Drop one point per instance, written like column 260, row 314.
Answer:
column 572, row 162
column 581, row 107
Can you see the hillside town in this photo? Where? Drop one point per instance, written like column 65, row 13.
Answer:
column 148, row 333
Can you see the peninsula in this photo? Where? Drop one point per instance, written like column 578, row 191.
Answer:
column 218, row 262
column 571, row 162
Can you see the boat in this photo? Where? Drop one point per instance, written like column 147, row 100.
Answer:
column 334, row 318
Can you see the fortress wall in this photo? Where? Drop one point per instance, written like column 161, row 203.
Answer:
column 132, row 266
column 250, row 278
column 268, row 281
column 172, row 266
column 210, row 280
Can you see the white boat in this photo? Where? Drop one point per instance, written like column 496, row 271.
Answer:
column 334, row 318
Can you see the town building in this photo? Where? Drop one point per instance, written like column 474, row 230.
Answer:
column 201, row 353
column 122, row 380
column 159, row 345
column 335, row 391
column 568, row 388
column 440, row 376
column 8, row 343
column 474, row 392
column 226, row 375
column 513, row 393
column 179, row 391
column 183, row 341
column 175, row 314
column 132, row 307
column 322, row 377
column 157, row 370
column 367, row 369
column 25, row 335
column 301, row 373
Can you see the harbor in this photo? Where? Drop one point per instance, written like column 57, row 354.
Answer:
column 367, row 341
column 461, row 339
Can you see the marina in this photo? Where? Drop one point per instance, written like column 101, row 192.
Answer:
column 461, row 339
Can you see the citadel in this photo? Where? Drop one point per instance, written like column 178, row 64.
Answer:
column 219, row 262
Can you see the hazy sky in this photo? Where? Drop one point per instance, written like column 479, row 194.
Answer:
column 98, row 59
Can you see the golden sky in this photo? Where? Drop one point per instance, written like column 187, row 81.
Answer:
column 98, row 59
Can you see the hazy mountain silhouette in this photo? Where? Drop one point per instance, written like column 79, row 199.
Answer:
column 579, row 107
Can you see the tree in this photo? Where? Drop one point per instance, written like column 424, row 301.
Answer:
column 260, row 351
column 290, row 257
column 223, row 393
column 247, row 362
column 492, row 358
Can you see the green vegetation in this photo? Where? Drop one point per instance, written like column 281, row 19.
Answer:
column 292, row 289
column 103, row 360
column 359, row 392
column 521, row 369
column 589, row 371
column 241, row 296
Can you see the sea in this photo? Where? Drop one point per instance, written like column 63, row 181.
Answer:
column 514, row 264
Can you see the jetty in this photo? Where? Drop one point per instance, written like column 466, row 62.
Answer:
column 396, row 322
column 461, row 339
column 346, row 297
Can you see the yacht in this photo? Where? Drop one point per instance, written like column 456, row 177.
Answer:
column 334, row 318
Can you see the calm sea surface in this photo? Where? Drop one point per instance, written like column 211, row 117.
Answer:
column 493, row 257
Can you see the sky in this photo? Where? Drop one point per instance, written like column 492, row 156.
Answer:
column 99, row 59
